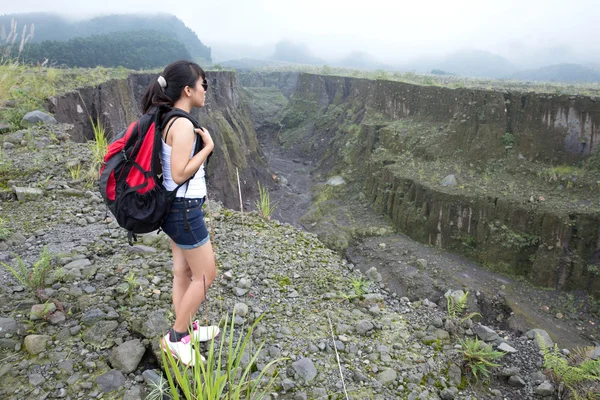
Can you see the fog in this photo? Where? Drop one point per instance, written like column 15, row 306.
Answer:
column 526, row 32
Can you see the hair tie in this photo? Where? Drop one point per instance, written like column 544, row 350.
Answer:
column 162, row 82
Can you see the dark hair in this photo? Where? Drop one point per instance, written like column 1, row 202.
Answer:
column 178, row 75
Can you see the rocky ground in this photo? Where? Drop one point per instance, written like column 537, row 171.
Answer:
column 94, row 328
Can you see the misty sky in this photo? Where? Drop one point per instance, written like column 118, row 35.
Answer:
column 392, row 31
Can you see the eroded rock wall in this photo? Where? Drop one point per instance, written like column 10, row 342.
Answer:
column 116, row 104
column 341, row 121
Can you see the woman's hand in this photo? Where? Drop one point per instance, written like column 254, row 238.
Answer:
column 206, row 138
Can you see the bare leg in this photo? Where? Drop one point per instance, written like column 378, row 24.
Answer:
column 202, row 265
column 182, row 276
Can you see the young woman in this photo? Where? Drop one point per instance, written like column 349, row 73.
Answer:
column 183, row 85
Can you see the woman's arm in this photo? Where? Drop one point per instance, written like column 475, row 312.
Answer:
column 182, row 135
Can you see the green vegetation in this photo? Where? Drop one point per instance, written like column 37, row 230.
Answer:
column 53, row 27
column 28, row 87
column 75, row 171
column 134, row 50
column 561, row 173
column 360, row 286
column 578, row 372
column 99, row 147
column 263, row 204
column 479, row 357
column 131, row 284
column 33, row 278
column 4, row 230
column 223, row 375
column 456, row 306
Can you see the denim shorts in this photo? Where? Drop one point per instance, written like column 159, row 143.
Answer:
column 175, row 226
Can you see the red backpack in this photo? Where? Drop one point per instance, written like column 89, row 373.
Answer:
column 131, row 174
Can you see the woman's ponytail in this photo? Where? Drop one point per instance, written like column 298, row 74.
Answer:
column 166, row 89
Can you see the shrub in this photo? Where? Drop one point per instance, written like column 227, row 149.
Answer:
column 35, row 277
column 218, row 379
column 479, row 357
column 263, row 204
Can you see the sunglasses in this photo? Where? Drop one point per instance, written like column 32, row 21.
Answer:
column 205, row 85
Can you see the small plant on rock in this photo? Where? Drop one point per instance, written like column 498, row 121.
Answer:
column 579, row 373
column 479, row 357
column 457, row 306
column 99, row 148
column 75, row 172
column 131, row 284
column 263, row 204
column 35, row 277
column 159, row 390
column 223, row 375
column 4, row 231
column 360, row 286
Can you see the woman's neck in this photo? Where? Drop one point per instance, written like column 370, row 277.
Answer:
column 183, row 106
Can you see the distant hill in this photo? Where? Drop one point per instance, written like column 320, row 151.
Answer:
column 55, row 27
column 131, row 49
column 469, row 63
column 568, row 73
column 251, row 63
column 360, row 60
column 297, row 53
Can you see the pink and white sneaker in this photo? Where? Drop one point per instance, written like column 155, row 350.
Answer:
column 204, row 333
column 181, row 350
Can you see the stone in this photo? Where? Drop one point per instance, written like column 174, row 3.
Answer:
column 27, row 193
column 97, row 334
column 154, row 326
column 239, row 292
column 449, row 180
column 505, row 347
column 134, row 393
column 41, row 311
column 8, row 326
column 387, row 377
column 93, row 316
column 421, row 263
column 594, row 354
column 9, row 344
column 455, row 374
column 56, row 318
column 448, row 393
column 541, row 338
column 151, row 377
column 287, row 384
column 81, row 263
column 373, row 275
column 363, row 326
column 110, row 381
column 240, row 309
column 35, row 344
column 484, row 333
column 37, row 117
column 36, row 379
column 336, row 181
column 516, row 381
column 245, row 283
column 127, row 356
column 507, row 372
column 544, row 389
column 305, row 369
column 442, row 334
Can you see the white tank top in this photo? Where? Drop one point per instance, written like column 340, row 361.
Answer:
column 196, row 187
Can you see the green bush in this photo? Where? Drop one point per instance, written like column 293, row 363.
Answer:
column 222, row 376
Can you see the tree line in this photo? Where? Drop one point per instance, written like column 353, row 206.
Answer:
column 141, row 49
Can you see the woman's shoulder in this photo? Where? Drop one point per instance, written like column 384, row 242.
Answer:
column 179, row 125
